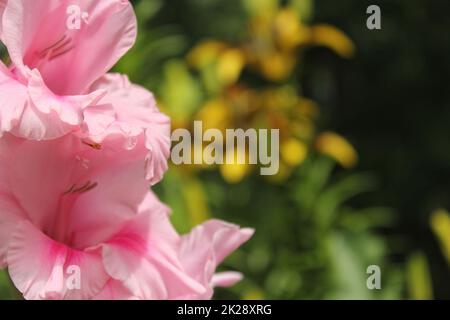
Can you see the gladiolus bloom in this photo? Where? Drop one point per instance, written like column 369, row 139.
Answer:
column 65, row 204
column 57, row 77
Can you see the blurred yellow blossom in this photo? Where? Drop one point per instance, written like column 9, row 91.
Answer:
column 440, row 223
column 276, row 38
column 230, row 65
column 205, row 53
column 271, row 47
column 336, row 147
column 289, row 30
column 235, row 172
column 333, row 38
column 215, row 114
column 418, row 277
column 293, row 152
column 195, row 200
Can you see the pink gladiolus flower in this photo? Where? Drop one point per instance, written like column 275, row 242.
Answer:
column 74, row 140
column 56, row 78
column 64, row 204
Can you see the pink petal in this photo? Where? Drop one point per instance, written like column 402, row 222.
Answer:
column 134, row 256
column 135, row 272
column 10, row 216
column 157, row 143
column 41, row 175
column 97, row 119
column 225, row 237
column 212, row 240
column 68, row 108
column 35, row 125
column 39, row 267
column 36, row 41
column 120, row 194
column 115, row 290
column 13, row 100
column 34, row 112
column 38, row 173
column 226, row 279
column 203, row 249
column 135, row 116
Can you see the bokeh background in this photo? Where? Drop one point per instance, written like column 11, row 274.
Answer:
column 364, row 118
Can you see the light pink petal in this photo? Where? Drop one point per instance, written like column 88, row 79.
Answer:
column 121, row 192
column 41, row 268
column 178, row 282
column 35, row 125
column 38, row 173
column 226, row 279
column 204, row 248
column 135, row 118
column 10, row 215
column 43, row 115
column 69, row 108
column 37, row 35
column 11, row 212
column 135, row 272
column 43, row 177
column 225, row 237
column 13, row 100
column 197, row 256
column 97, row 120
column 134, row 257
column 115, row 290
column 157, row 142
column 2, row 10
column 32, row 111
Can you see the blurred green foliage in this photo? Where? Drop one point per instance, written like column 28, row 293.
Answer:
column 309, row 242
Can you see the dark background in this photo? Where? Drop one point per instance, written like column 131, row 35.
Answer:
column 393, row 102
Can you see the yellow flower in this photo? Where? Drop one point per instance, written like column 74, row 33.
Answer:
column 336, row 147
column 215, row 114
column 293, row 152
column 195, row 200
column 205, row 53
column 283, row 98
column 289, row 31
column 302, row 128
column 230, row 65
column 276, row 66
column 272, row 47
column 440, row 223
column 235, row 172
column 227, row 62
column 418, row 277
column 307, row 108
column 333, row 38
